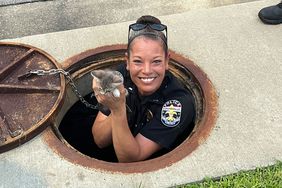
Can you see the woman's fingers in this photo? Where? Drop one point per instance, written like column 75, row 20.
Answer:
column 96, row 87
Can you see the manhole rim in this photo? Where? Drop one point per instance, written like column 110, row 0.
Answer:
column 183, row 150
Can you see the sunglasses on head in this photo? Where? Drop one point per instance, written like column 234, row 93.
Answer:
column 153, row 26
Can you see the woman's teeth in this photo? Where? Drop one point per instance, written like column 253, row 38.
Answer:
column 147, row 80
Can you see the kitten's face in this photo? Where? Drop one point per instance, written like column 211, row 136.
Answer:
column 108, row 79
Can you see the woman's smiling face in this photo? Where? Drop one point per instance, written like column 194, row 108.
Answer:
column 147, row 64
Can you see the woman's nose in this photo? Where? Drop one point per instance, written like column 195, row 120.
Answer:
column 147, row 68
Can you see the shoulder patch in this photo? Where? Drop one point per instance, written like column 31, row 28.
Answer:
column 171, row 113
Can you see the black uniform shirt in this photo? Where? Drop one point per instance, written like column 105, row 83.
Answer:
column 163, row 116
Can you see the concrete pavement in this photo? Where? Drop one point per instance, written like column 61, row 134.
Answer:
column 241, row 56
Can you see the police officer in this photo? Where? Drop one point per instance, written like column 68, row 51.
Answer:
column 154, row 108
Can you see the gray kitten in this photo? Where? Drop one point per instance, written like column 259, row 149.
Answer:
column 108, row 80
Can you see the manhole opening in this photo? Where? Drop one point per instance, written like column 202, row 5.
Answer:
column 76, row 125
column 74, row 141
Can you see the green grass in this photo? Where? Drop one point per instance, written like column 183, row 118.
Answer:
column 268, row 177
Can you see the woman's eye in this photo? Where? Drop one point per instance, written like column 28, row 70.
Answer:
column 157, row 61
column 137, row 61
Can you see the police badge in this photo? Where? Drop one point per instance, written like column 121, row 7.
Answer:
column 171, row 113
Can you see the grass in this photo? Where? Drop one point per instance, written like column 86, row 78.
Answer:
column 268, row 177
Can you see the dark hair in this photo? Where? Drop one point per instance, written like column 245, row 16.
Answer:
column 148, row 33
column 148, row 19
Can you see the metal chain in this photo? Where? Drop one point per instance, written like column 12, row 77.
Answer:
column 71, row 82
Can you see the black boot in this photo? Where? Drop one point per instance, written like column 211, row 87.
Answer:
column 272, row 14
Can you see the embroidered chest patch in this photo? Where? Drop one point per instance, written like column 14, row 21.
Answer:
column 171, row 113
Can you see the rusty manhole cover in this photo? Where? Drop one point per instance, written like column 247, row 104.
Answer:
column 26, row 105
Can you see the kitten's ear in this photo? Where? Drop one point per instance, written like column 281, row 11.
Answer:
column 98, row 73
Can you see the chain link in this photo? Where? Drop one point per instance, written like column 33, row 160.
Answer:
column 71, row 82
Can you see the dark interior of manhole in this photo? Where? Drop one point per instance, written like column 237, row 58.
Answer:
column 76, row 129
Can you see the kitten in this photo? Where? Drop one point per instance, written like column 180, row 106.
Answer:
column 108, row 80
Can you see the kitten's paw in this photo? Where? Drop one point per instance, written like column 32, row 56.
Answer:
column 116, row 93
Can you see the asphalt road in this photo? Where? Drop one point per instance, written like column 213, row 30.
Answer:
column 16, row 2
column 20, row 18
